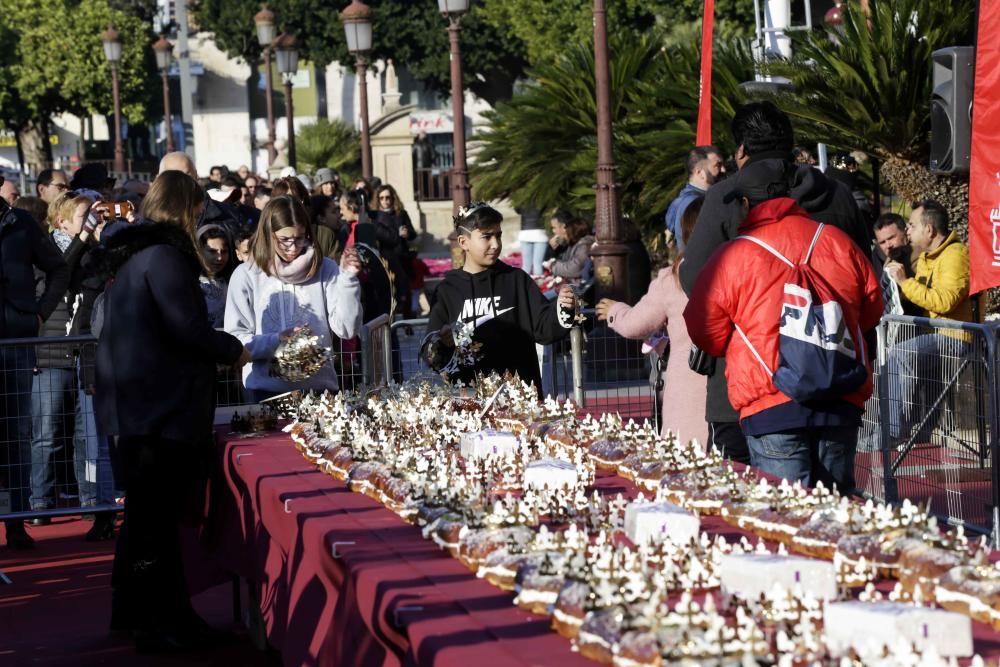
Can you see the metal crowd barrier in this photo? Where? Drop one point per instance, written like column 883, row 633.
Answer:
column 54, row 459
column 930, row 430
column 598, row 369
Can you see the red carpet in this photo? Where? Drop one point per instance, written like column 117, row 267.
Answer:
column 56, row 610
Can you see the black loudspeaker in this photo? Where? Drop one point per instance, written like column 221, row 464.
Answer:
column 951, row 109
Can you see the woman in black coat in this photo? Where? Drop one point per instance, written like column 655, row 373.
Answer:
column 156, row 362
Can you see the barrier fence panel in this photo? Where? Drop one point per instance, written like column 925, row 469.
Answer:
column 930, row 428
column 612, row 373
column 594, row 366
column 407, row 335
column 53, row 459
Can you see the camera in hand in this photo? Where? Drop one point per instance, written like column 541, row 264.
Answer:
column 106, row 211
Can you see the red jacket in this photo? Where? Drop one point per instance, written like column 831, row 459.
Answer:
column 744, row 284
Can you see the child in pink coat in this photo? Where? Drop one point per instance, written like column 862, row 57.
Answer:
column 662, row 309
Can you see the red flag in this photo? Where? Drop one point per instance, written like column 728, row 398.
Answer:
column 984, row 171
column 704, row 136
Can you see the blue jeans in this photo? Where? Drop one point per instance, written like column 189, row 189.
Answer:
column 919, row 365
column 532, row 255
column 808, row 455
column 16, row 364
column 92, row 455
column 54, row 392
column 51, row 393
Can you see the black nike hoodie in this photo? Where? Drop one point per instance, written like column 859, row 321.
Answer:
column 510, row 315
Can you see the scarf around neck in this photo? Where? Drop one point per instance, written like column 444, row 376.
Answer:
column 62, row 239
column 294, row 272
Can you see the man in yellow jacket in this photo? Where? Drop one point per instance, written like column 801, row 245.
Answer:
column 940, row 287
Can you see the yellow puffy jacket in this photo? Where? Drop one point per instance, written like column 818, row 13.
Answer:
column 941, row 282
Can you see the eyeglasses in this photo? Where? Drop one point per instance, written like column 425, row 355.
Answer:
column 62, row 187
column 291, row 241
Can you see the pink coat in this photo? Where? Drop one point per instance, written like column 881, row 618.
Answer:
column 662, row 308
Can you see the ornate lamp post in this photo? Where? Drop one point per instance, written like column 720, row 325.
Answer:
column 113, row 53
column 287, row 50
column 264, row 20
column 164, row 54
column 357, row 19
column 453, row 10
column 609, row 253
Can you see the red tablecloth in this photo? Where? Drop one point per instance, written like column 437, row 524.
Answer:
column 390, row 597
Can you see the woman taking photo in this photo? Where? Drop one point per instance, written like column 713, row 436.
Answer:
column 156, row 364
column 288, row 284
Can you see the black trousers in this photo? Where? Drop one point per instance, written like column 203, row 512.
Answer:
column 728, row 438
column 163, row 479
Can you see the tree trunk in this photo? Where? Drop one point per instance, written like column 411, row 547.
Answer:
column 914, row 181
column 32, row 139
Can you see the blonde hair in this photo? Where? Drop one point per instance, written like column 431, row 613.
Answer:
column 63, row 207
column 172, row 199
column 280, row 213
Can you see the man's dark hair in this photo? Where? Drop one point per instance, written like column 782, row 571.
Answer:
column 245, row 232
column 888, row 219
column 762, row 127
column 355, row 200
column 933, row 213
column 261, row 192
column 44, row 178
column 223, row 170
column 232, row 180
column 699, row 154
column 478, row 215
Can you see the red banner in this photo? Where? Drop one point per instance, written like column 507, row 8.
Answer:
column 704, row 136
column 984, row 172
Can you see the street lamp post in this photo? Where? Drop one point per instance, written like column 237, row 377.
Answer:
column 609, row 253
column 113, row 53
column 264, row 20
column 164, row 51
column 287, row 50
column 453, row 10
column 357, row 19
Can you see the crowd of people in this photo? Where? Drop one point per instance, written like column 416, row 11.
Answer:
column 175, row 278
column 764, row 314
column 779, row 276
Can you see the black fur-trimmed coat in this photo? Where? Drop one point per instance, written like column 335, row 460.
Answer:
column 157, row 351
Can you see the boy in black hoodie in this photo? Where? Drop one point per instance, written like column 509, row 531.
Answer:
column 503, row 305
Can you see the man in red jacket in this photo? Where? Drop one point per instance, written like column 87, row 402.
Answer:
column 741, row 305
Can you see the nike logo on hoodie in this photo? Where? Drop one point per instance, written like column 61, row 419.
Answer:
column 482, row 310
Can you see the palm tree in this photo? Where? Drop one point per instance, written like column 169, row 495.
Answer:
column 329, row 143
column 541, row 147
column 665, row 111
column 866, row 85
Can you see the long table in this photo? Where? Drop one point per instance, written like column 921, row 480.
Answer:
column 343, row 581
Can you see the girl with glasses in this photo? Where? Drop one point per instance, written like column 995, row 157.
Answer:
column 286, row 284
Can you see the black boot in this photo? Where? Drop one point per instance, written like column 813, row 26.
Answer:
column 17, row 536
column 103, row 528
